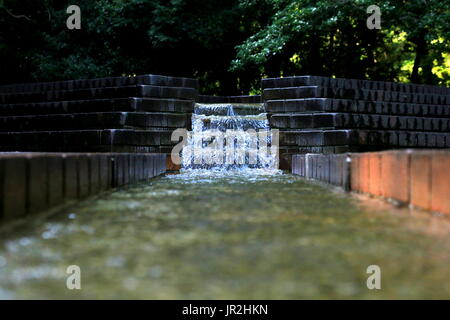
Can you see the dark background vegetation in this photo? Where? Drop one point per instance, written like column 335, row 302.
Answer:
column 227, row 44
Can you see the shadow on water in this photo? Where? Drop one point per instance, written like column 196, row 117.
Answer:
column 225, row 235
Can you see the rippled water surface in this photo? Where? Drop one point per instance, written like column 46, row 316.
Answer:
column 225, row 236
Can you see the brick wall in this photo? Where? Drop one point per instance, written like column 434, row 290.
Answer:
column 33, row 182
column 417, row 177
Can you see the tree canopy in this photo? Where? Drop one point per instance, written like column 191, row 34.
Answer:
column 227, row 44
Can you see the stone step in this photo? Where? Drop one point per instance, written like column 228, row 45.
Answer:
column 354, row 94
column 229, row 99
column 386, row 138
column 356, row 106
column 101, row 120
column 223, row 109
column 95, row 149
column 82, row 139
column 358, row 121
column 101, row 93
column 98, row 105
column 148, row 79
column 352, row 84
column 318, row 138
column 84, row 149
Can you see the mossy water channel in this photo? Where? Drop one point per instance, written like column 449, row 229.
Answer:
column 203, row 235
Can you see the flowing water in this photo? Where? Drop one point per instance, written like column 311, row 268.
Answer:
column 230, row 136
column 225, row 235
column 226, row 232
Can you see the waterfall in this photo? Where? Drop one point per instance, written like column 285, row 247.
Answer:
column 230, row 136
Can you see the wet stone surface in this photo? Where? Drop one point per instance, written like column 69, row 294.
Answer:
column 214, row 236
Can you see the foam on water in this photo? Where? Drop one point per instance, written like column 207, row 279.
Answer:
column 228, row 137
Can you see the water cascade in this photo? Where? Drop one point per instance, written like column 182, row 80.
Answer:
column 230, row 136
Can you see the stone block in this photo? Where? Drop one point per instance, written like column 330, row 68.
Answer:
column 146, row 168
column 70, row 163
column 162, row 161
column 118, row 170
column 395, row 168
column 94, row 173
column 355, row 173
column 375, row 181
column 440, row 182
column 279, row 121
column 290, row 93
column 421, row 185
column 336, row 137
column 83, row 176
column 105, row 171
column 126, row 169
column 38, row 180
column 322, row 121
column 13, row 187
column 55, row 176
column 364, row 172
column 141, row 166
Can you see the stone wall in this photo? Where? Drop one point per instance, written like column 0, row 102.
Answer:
column 118, row 123
column 417, row 177
column 123, row 114
column 34, row 182
column 326, row 115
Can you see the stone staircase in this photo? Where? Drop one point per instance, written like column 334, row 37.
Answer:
column 328, row 115
column 121, row 114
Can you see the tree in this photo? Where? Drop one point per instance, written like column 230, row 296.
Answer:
column 330, row 38
column 227, row 44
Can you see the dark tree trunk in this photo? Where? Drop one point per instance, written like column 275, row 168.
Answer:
column 273, row 66
column 314, row 66
column 421, row 51
column 329, row 59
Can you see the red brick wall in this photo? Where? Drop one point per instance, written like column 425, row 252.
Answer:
column 417, row 177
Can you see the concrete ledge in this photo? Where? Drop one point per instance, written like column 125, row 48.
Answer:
column 33, row 182
column 83, row 140
column 331, row 168
column 354, row 94
column 298, row 81
column 355, row 121
column 148, row 79
column 375, row 138
column 98, row 105
column 229, row 99
column 100, row 93
column 309, row 105
column 415, row 177
column 94, row 121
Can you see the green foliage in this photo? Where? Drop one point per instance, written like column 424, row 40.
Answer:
column 193, row 38
column 330, row 37
column 228, row 44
